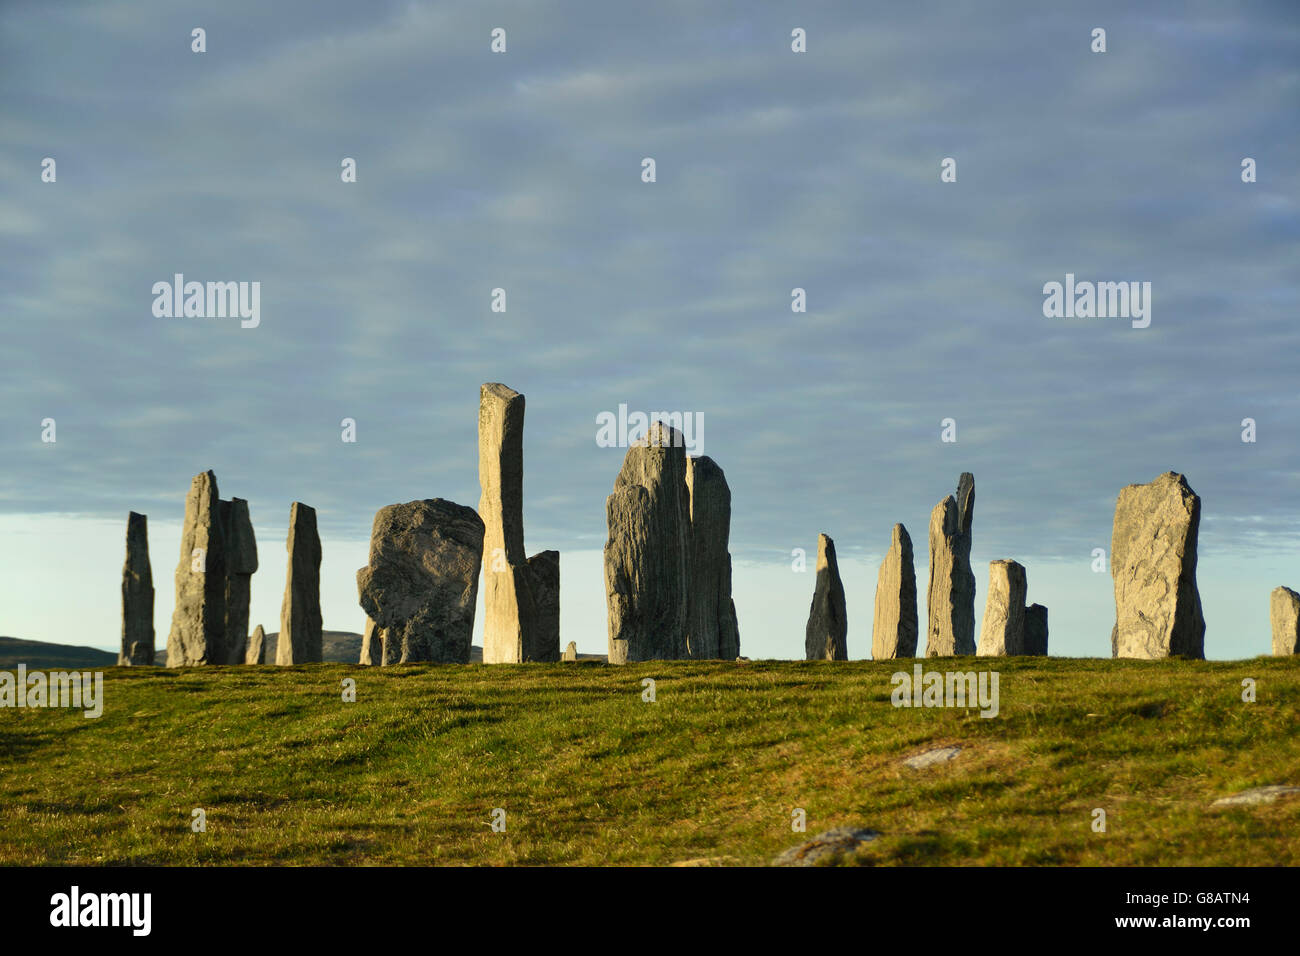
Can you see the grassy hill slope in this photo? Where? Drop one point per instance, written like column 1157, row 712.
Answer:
column 15, row 651
column 589, row 773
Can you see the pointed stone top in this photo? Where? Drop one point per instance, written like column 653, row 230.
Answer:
column 965, row 501
column 241, row 545
column 503, row 392
column 661, row 435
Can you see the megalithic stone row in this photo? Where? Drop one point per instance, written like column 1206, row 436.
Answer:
column 198, row 631
column 894, row 628
column 256, row 649
column 1036, row 631
column 301, row 634
column 1003, row 630
column 241, row 564
column 826, row 635
column 1153, row 563
column 647, row 552
column 712, row 631
column 372, row 645
column 950, row 600
column 137, row 595
column 520, row 614
column 1284, row 615
column 421, row 585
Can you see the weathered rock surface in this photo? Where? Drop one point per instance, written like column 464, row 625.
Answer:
column 647, row 552
column 1036, row 630
column 256, row 648
column 1003, row 630
column 571, row 652
column 198, row 631
column 950, row 599
column 930, row 758
column 544, row 582
column 1284, row 614
column 421, row 585
column 241, row 563
column 1153, row 562
column 826, row 847
column 137, row 595
column 300, row 616
column 711, row 628
column 372, row 645
column 825, row 637
column 894, row 628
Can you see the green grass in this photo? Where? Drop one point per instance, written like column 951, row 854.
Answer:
column 590, row 774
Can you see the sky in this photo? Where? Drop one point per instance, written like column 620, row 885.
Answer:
column 774, row 170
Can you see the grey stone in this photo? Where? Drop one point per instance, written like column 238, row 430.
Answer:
column 137, row 595
column 1284, row 615
column 372, row 645
column 256, row 649
column 544, row 582
column 826, row 847
column 421, row 584
column 930, row 758
column 894, row 627
column 571, row 652
column 1153, row 563
column 647, row 552
column 950, row 599
column 711, row 628
column 1256, row 796
column 241, row 564
column 1003, row 630
column 1036, row 631
column 198, row 631
column 300, row 615
column 825, row 637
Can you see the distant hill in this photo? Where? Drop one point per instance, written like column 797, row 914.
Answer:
column 38, row 654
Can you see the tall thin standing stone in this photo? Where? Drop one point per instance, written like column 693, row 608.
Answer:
column 301, row 635
column 1003, row 631
column 711, row 628
column 951, row 595
column 241, row 564
column 198, row 632
column 256, row 649
column 1153, row 563
column 826, row 636
column 894, row 628
column 1036, row 631
column 647, row 552
column 1284, row 616
column 137, row 595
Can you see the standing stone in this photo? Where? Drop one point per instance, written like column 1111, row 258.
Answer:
column 1153, row 562
column 825, row 637
column 1284, row 613
column 894, row 629
column 647, row 552
column 1003, row 631
column 198, row 632
column 241, row 563
column 520, row 615
column 421, row 585
column 711, row 628
column 301, row 635
column 137, row 595
column 256, row 649
column 571, row 652
column 372, row 645
column 1036, row 630
column 951, row 597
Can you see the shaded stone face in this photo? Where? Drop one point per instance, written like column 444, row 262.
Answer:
column 1003, row 631
column 421, row 584
column 894, row 627
column 826, row 635
column 198, row 631
column 543, row 638
column 711, row 628
column 951, row 595
column 1036, row 630
column 1153, row 563
column 1284, row 615
column 256, row 649
column 137, row 595
column 241, row 563
column 647, row 552
column 301, row 636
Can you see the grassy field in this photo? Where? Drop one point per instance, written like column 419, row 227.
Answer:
column 589, row 773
